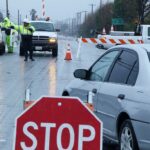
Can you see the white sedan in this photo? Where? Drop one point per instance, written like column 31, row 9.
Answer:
column 120, row 82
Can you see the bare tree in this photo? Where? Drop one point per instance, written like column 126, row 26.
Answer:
column 143, row 9
column 95, row 22
column 33, row 14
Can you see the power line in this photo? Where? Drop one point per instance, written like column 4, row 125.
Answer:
column 85, row 14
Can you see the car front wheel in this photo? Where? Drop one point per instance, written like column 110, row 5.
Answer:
column 55, row 51
column 127, row 138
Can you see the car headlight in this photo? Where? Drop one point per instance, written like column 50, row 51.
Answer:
column 52, row 40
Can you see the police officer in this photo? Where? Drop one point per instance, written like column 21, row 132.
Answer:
column 6, row 26
column 26, row 31
column 137, row 29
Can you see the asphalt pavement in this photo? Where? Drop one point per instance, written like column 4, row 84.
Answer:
column 46, row 76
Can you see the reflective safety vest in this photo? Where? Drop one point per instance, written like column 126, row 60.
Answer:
column 24, row 30
column 6, row 23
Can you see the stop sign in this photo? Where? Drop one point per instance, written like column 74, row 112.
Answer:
column 58, row 124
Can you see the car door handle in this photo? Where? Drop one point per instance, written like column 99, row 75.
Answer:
column 121, row 96
column 94, row 91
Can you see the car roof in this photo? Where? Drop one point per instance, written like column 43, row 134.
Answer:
column 135, row 47
column 42, row 21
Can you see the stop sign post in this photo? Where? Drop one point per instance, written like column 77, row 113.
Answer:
column 58, row 123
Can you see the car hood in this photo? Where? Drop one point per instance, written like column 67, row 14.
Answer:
column 44, row 33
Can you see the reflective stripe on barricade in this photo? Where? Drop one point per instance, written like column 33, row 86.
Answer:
column 105, row 40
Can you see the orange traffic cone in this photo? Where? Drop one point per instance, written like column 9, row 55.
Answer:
column 27, row 101
column 68, row 53
column 27, row 104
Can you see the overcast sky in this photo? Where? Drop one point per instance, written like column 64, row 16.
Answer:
column 56, row 9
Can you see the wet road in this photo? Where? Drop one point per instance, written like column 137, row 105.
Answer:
column 45, row 76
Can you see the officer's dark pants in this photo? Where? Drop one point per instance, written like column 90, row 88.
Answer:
column 27, row 45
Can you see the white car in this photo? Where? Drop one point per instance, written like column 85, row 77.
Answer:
column 120, row 82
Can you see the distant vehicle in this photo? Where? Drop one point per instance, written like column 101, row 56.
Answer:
column 120, row 82
column 2, row 44
column 45, row 37
column 121, row 33
column 125, row 37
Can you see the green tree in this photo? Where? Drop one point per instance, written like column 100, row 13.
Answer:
column 105, row 14
column 131, row 11
column 127, row 10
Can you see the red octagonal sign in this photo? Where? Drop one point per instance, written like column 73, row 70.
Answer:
column 58, row 124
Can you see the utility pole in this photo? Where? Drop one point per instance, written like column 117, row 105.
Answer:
column 7, row 10
column 92, row 7
column 85, row 14
column 18, row 17
column 79, row 18
column 101, row 3
column 80, row 13
column 73, row 25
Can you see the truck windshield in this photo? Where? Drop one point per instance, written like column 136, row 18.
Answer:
column 42, row 26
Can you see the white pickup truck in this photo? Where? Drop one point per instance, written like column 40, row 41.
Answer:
column 44, row 38
column 118, row 38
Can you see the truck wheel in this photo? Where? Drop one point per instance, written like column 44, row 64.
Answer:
column 127, row 138
column 55, row 52
column 21, row 51
column 2, row 48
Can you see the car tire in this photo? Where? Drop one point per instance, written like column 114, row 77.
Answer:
column 55, row 51
column 2, row 48
column 21, row 50
column 127, row 138
column 100, row 46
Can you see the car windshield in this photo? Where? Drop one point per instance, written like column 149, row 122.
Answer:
column 41, row 26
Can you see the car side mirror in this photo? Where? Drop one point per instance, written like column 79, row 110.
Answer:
column 81, row 73
column 57, row 30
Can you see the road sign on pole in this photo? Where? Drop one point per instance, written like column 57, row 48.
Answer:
column 58, row 123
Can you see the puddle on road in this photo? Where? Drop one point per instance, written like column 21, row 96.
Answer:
column 2, row 141
column 52, row 77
